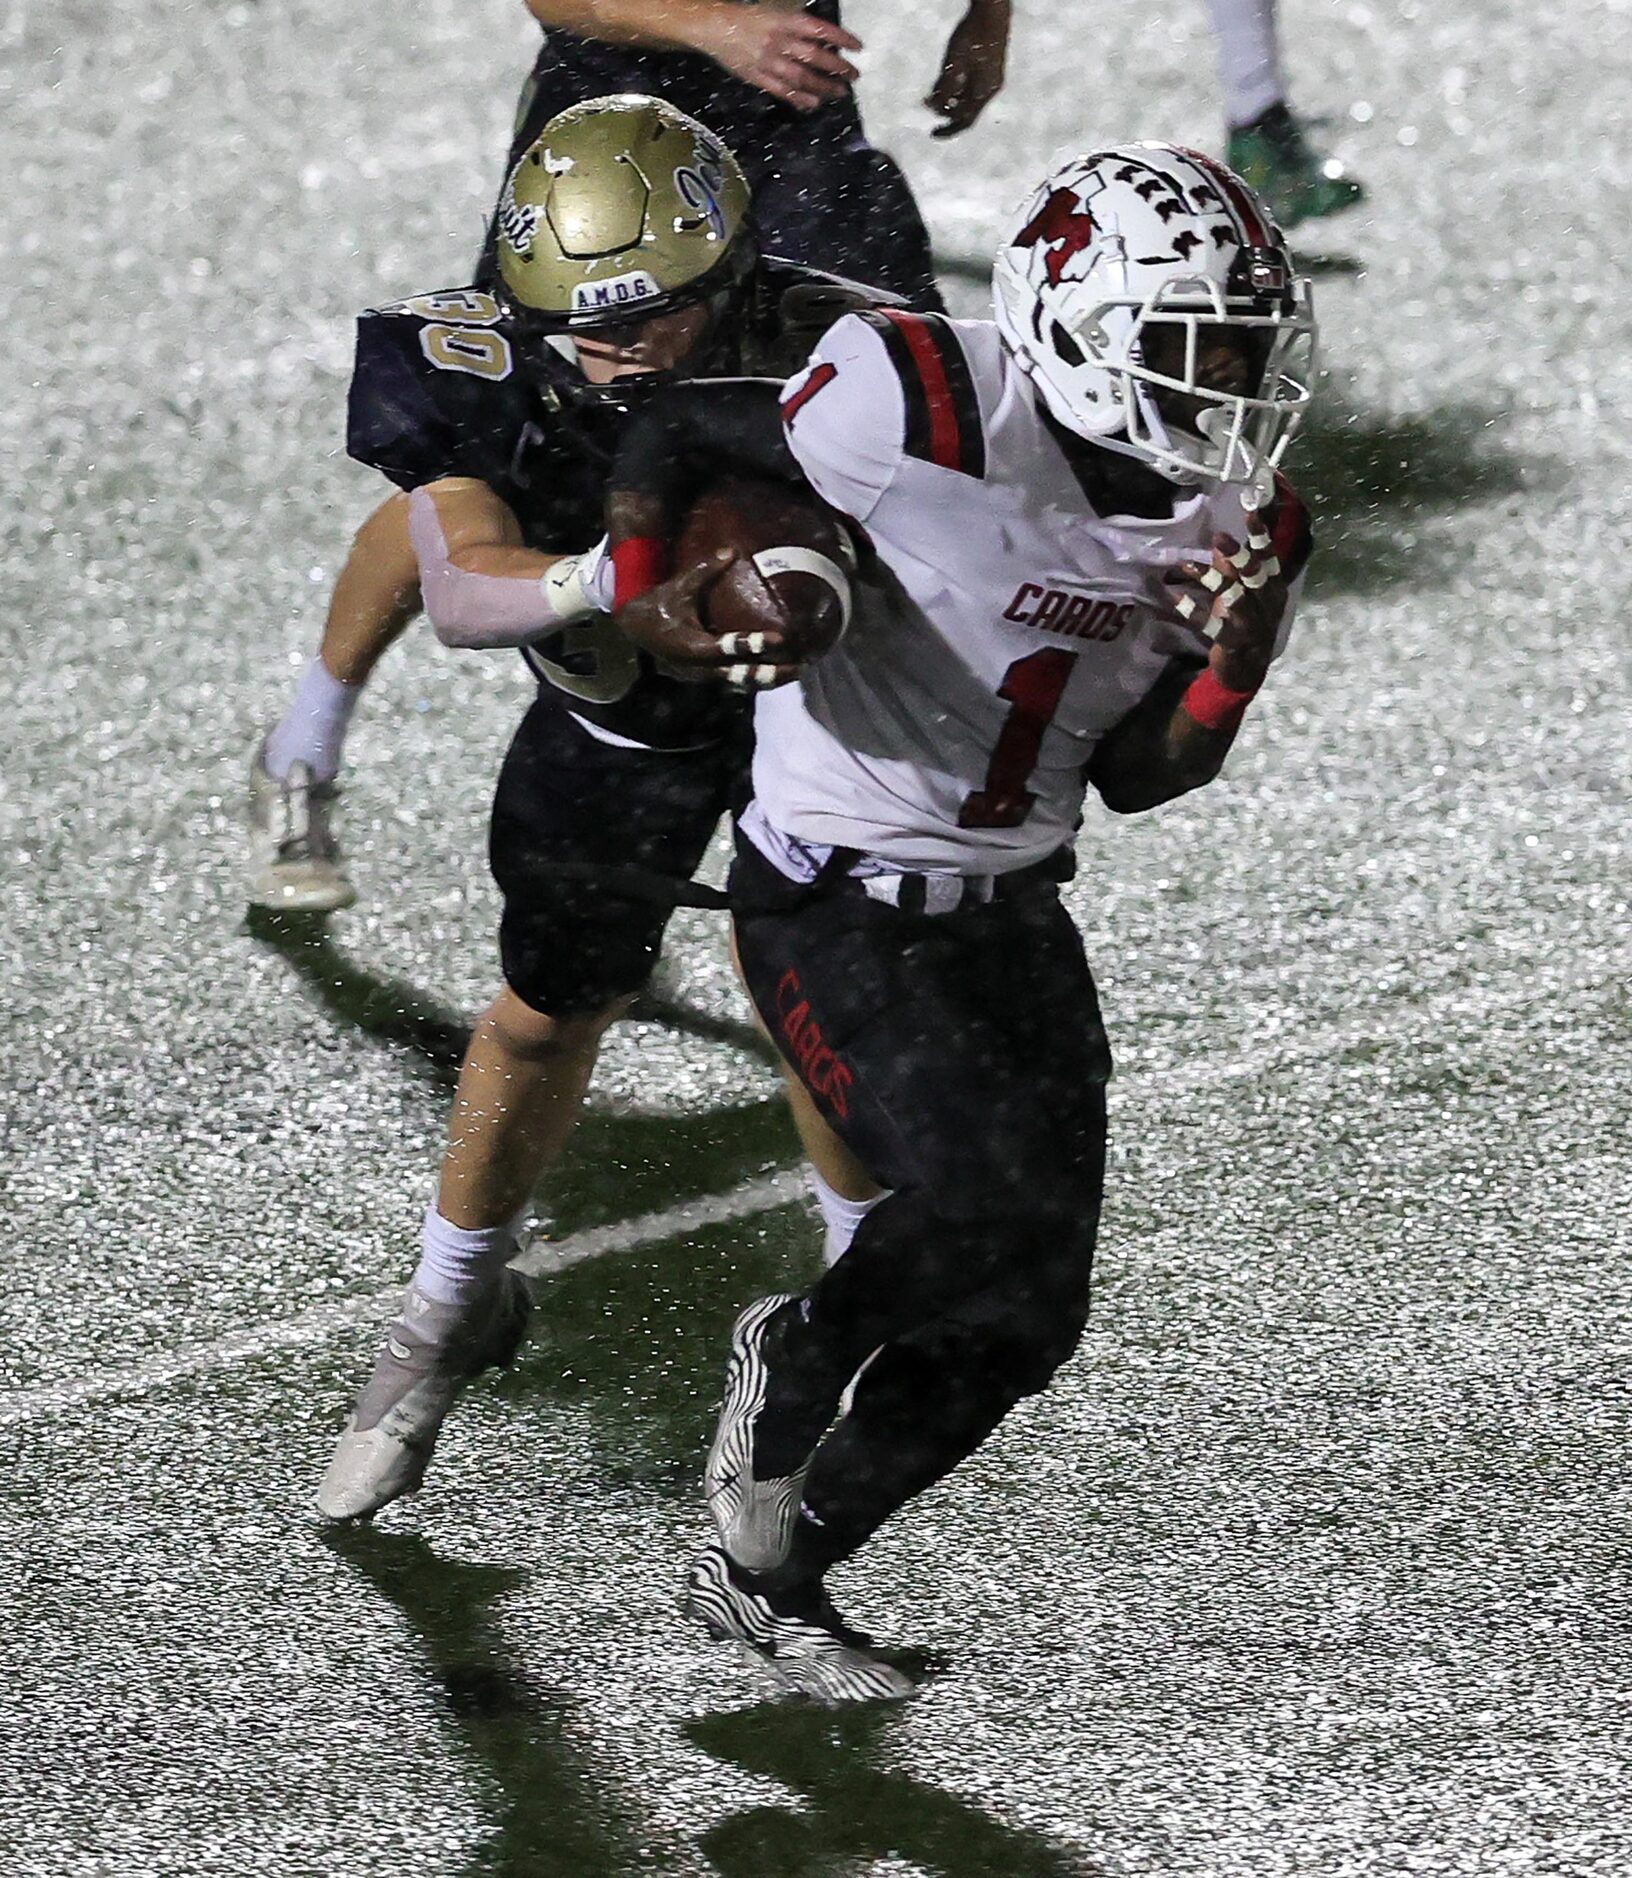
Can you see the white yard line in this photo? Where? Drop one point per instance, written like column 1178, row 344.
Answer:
column 328, row 1320
column 758, row 1196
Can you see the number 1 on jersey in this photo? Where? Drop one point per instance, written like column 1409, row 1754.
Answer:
column 1033, row 686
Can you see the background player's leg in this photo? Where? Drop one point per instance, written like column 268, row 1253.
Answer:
column 296, row 864
column 521, row 1087
column 375, row 596
column 825, row 197
column 1249, row 58
column 575, row 952
column 1267, row 145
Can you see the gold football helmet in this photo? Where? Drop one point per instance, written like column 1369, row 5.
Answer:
column 622, row 208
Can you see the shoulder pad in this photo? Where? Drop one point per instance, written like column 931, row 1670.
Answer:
column 458, row 331
column 434, row 390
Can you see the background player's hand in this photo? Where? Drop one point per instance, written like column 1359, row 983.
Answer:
column 1239, row 600
column 797, row 59
column 666, row 622
column 972, row 71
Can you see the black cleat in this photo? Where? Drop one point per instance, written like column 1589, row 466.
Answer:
column 797, row 1631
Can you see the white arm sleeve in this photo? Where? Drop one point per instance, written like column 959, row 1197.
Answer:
column 845, row 418
column 480, row 612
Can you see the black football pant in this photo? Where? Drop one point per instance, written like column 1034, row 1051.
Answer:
column 963, row 1060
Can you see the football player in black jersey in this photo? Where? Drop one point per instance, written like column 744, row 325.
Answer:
column 775, row 80
column 626, row 260
column 774, row 83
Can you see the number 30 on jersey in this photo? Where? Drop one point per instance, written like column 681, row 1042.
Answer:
column 459, row 337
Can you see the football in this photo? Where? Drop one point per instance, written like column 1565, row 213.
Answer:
column 793, row 568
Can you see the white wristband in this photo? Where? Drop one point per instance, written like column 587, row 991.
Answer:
column 579, row 584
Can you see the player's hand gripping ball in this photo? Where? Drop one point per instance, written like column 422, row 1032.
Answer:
column 1238, row 600
column 763, row 588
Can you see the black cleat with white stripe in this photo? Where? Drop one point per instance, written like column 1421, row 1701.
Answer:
column 755, row 1518
column 796, row 1630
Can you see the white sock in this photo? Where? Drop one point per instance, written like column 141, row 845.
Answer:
column 1249, row 58
column 454, row 1260
column 841, row 1216
column 313, row 729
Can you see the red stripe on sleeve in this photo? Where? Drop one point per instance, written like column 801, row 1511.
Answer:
column 944, row 447
column 820, row 375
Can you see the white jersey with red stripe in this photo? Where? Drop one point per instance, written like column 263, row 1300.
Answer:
column 1004, row 627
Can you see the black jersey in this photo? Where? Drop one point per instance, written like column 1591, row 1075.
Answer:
column 690, row 80
column 822, row 195
column 437, row 390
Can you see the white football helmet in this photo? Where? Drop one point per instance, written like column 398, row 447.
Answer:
column 1111, row 245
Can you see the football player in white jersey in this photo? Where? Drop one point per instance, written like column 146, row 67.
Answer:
column 1084, row 562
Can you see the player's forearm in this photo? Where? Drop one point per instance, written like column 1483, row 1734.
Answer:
column 689, row 437
column 660, row 24
column 1176, row 740
column 484, row 593
column 1163, row 764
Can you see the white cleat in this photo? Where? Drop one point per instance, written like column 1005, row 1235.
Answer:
column 754, row 1518
column 431, row 1352
column 295, row 864
column 797, row 1632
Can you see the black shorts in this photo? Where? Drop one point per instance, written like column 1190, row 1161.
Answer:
column 822, row 195
column 570, row 946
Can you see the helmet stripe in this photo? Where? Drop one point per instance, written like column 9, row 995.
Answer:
column 1254, row 231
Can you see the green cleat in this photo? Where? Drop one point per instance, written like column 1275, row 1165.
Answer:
column 1273, row 158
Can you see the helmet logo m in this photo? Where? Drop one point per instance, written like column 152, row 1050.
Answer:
column 1065, row 225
